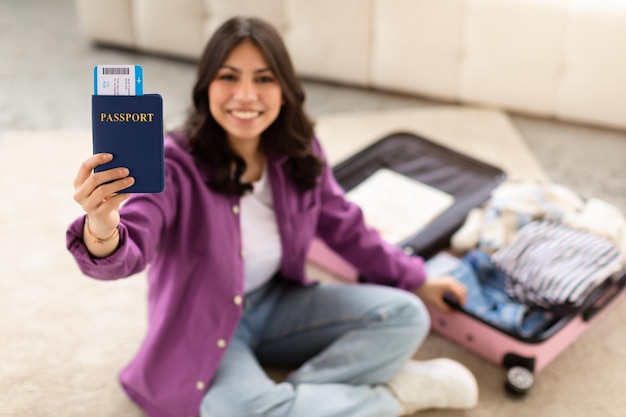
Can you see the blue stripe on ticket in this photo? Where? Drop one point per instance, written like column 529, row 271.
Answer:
column 118, row 80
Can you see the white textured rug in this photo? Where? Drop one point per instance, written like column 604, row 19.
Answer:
column 64, row 337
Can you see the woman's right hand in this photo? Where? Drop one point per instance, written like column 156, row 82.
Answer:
column 98, row 195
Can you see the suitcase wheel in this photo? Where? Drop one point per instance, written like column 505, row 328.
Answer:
column 519, row 380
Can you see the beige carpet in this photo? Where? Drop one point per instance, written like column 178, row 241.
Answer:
column 64, row 337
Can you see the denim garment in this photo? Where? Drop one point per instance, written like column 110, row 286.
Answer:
column 487, row 299
column 346, row 342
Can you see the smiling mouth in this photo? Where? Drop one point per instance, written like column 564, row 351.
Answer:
column 245, row 114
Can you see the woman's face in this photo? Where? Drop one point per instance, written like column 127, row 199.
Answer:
column 244, row 97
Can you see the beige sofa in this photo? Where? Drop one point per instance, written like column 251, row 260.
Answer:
column 552, row 58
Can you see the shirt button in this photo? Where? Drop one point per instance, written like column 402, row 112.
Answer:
column 242, row 253
column 221, row 343
column 238, row 300
column 236, row 209
column 200, row 385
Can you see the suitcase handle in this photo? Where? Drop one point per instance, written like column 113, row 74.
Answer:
column 452, row 302
column 605, row 299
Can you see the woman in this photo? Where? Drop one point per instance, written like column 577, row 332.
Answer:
column 225, row 244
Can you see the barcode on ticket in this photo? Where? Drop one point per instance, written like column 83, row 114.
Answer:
column 118, row 80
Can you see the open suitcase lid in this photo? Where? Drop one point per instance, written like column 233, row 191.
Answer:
column 468, row 180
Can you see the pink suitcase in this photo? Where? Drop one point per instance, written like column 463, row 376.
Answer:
column 522, row 357
column 471, row 183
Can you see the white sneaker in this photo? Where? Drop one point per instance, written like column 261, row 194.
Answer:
column 438, row 383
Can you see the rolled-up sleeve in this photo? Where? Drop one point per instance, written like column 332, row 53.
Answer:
column 116, row 265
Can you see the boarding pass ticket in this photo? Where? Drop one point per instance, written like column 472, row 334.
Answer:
column 118, row 80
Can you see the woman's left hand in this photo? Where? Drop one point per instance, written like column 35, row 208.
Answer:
column 433, row 291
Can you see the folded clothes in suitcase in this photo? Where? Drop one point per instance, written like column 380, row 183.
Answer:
column 470, row 183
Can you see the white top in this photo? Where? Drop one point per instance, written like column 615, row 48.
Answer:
column 259, row 234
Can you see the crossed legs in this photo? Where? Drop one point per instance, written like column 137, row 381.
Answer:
column 346, row 341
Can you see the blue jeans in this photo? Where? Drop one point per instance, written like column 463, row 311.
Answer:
column 346, row 341
column 487, row 298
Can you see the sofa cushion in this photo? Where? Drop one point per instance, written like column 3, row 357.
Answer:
column 417, row 46
column 593, row 89
column 330, row 39
column 218, row 11
column 174, row 28
column 514, row 53
column 117, row 29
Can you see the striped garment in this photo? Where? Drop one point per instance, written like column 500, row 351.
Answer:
column 548, row 264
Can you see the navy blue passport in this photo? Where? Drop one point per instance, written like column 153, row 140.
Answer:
column 131, row 128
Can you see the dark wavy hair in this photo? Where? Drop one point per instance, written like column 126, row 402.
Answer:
column 290, row 134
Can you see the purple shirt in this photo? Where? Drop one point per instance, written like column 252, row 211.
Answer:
column 189, row 238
